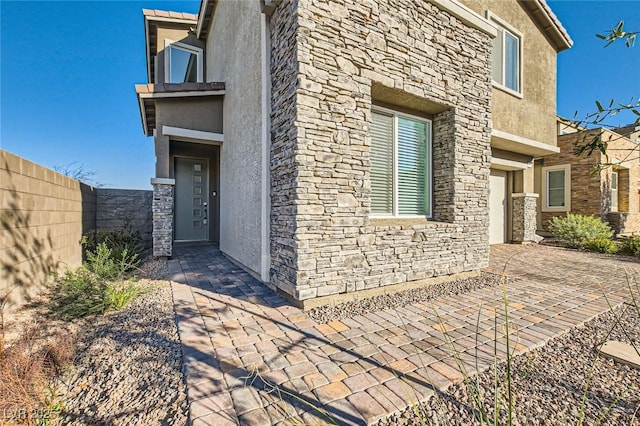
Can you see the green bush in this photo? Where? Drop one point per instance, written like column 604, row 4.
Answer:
column 119, row 294
column 578, row 231
column 81, row 292
column 630, row 245
column 118, row 240
column 602, row 245
column 108, row 266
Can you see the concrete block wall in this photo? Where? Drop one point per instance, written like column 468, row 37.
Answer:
column 118, row 208
column 43, row 215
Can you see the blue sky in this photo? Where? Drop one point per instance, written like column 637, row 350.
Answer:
column 67, row 71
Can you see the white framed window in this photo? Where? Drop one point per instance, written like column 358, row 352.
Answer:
column 182, row 63
column 506, row 66
column 614, row 191
column 400, row 164
column 556, row 195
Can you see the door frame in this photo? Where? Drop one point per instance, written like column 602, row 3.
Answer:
column 209, row 221
column 506, row 209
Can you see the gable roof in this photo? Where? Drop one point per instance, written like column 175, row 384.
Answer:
column 548, row 23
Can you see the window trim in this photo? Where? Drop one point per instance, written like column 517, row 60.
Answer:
column 186, row 47
column 612, row 191
column 504, row 26
column 394, row 187
column 567, row 188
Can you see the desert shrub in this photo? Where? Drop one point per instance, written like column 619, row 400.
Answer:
column 81, row 292
column 630, row 245
column 602, row 245
column 28, row 394
column 578, row 231
column 117, row 240
column 119, row 294
column 109, row 266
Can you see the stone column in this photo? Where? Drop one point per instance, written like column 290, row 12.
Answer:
column 524, row 217
column 162, row 208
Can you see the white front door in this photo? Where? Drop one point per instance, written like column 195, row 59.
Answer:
column 497, row 207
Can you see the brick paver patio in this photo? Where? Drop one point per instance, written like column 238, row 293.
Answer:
column 251, row 358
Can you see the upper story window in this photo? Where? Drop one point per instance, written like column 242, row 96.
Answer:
column 506, row 57
column 183, row 63
column 400, row 164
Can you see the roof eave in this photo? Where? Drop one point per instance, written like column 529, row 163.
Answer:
column 204, row 18
column 548, row 22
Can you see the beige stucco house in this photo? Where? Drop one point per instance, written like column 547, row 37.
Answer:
column 601, row 185
column 336, row 147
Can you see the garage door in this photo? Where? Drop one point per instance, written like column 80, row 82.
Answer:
column 497, row 207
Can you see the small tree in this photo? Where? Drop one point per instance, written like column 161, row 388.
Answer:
column 79, row 172
column 603, row 113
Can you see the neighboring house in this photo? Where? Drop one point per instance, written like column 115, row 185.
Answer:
column 332, row 147
column 631, row 131
column 576, row 184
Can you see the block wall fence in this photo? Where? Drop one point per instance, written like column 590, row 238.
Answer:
column 43, row 215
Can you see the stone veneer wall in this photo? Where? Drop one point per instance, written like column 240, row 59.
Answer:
column 162, row 213
column 624, row 222
column 119, row 208
column 525, row 209
column 323, row 239
column 284, row 134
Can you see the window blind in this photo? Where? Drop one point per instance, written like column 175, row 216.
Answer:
column 382, row 163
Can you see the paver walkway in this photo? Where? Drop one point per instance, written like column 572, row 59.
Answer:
column 250, row 358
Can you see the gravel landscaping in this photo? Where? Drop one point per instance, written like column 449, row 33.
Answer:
column 128, row 364
column 324, row 314
column 549, row 383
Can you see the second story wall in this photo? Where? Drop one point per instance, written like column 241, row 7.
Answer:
column 233, row 56
column 532, row 113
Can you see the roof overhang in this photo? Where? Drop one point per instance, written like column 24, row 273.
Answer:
column 148, row 94
column 520, row 145
column 205, row 14
column 207, row 10
column 548, row 23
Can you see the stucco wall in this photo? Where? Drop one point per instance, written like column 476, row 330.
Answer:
column 233, row 56
column 533, row 116
column 43, row 216
column 196, row 113
column 350, row 56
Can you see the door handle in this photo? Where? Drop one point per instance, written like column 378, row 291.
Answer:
column 205, row 210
